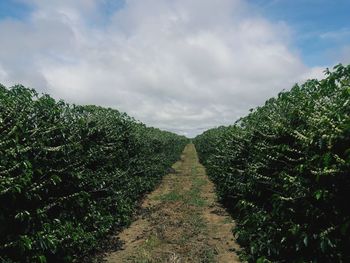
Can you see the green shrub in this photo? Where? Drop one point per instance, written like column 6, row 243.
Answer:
column 70, row 175
column 284, row 172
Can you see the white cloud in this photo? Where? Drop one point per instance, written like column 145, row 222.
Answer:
column 179, row 65
column 3, row 75
column 337, row 34
column 344, row 56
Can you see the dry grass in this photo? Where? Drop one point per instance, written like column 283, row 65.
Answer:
column 184, row 222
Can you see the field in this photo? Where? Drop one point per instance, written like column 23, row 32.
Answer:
column 70, row 175
column 283, row 171
column 180, row 221
column 88, row 184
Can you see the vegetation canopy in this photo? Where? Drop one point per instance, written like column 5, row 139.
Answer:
column 70, row 174
column 284, row 172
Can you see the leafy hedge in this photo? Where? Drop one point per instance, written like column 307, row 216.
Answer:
column 284, row 172
column 70, row 174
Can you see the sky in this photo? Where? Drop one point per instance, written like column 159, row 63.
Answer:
column 179, row 65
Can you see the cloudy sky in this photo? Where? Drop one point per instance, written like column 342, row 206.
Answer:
column 180, row 65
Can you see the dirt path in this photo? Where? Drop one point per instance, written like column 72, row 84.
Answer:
column 181, row 222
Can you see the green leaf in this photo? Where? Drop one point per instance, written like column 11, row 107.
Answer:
column 26, row 242
column 318, row 194
column 41, row 259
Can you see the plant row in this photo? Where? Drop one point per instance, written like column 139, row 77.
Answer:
column 70, row 175
column 283, row 170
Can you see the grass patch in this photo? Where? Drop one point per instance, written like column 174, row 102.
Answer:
column 144, row 253
column 227, row 220
column 193, row 197
column 194, row 170
column 208, row 255
column 196, row 225
column 172, row 196
column 198, row 182
column 197, row 202
column 152, row 242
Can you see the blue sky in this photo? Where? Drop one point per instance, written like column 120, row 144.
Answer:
column 321, row 26
column 14, row 9
column 21, row 9
column 179, row 65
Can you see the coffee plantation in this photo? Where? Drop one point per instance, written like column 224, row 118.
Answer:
column 70, row 175
column 283, row 170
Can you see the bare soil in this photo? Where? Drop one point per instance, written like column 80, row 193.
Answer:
column 181, row 221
